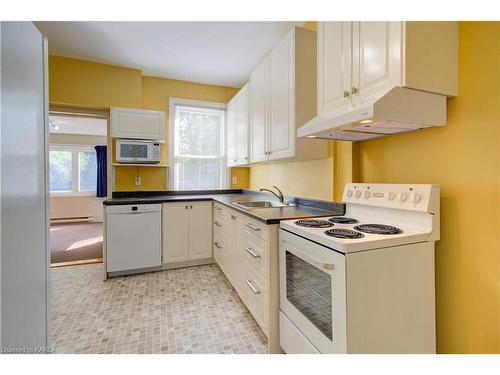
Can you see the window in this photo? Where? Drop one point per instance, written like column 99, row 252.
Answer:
column 198, row 148
column 72, row 170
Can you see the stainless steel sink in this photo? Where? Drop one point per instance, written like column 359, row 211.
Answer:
column 262, row 204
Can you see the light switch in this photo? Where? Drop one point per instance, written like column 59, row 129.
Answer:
column 235, row 180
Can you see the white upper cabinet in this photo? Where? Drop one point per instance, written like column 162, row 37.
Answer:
column 137, row 124
column 281, row 92
column 258, row 97
column 282, row 97
column 237, row 128
column 231, row 131
column 359, row 62
column 334, row 53
column 376, row 62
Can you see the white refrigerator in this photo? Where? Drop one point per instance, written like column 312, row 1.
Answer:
column 24, row 189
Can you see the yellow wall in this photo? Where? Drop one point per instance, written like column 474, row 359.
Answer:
column 463, row 157
column 310, row 178
column 84, row 83
column 80, row 83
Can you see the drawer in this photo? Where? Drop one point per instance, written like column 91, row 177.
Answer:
column 256, row 227
column 218, row 208
column 218, row 246
column 257, row 253
column 256, row 296
column 220, row 223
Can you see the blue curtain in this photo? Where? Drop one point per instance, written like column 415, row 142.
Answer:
column 102, row 172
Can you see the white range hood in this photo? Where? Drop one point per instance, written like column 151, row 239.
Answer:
column 400, row 110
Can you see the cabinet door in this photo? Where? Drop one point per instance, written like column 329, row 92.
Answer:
column 376, row 59
column 137, row 124
column 334, row 66
column 200, row 230
column 175, row 232
column 232, row 115
column 281, row 95
column 258, row 111
column 235, row 256
column 242, row 127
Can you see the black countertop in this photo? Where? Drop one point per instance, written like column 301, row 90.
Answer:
column 303, row 207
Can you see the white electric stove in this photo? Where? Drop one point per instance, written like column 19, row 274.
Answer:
column 362, row 282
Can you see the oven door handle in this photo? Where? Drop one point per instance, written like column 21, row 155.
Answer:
column 328, row 267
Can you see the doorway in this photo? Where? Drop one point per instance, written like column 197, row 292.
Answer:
column 77, row 142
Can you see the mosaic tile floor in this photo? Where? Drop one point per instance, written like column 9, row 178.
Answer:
column 188, row 310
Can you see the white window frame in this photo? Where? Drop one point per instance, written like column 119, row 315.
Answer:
column 171, row 136
column 75, row 170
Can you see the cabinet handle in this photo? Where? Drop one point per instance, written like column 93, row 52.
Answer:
column 252, row 227
column 217, row 223
column 251, row 252
column 191, row 207
column 186, row 207
column 218, row 208
column 233, row 217
column 346, row 93
column 217, row 245
column 354, row 90
column 250, row 285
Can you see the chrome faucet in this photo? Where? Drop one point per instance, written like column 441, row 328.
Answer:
column 280, row 195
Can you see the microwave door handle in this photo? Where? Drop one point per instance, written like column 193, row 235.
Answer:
column 327, row 267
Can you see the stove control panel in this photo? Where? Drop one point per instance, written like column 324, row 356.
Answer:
column 412, row 197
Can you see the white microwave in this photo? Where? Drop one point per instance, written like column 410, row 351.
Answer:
column 137, row 152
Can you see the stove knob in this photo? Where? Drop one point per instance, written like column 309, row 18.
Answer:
column 403, row 197
column 367, row 194
column 349, row 193
column 416, row 197
column 358, row 193
column 391, row 196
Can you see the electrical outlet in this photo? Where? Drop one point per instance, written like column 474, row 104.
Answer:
column 235, row 180
column 138, row 180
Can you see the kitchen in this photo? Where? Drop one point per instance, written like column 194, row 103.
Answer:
column 359, row 134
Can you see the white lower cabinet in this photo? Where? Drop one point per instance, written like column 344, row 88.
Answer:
column 175, row 233
column 256, row 296
column 187, row 231
column 200, row 230
column 246, row 251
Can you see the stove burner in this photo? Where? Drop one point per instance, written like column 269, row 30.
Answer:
column 311, row 223
column 378, row 229
column 344, row 233
column 342, row 220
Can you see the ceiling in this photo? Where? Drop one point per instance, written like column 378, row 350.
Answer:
column 77, row 125
column 218, row 53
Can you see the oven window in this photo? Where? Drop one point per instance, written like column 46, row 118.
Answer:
column 309, row 289
column 134, row 151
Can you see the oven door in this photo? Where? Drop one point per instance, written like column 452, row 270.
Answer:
column 313, row 291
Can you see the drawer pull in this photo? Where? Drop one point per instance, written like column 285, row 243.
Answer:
column 251, row 252
column 217, row 208
column 217, row 245
column 217, row 223
column 252, row 227
column 250, row 285
column 233, row 217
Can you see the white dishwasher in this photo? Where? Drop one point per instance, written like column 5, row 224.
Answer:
column 133, row 238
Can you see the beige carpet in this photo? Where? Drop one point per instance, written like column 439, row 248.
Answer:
column 75, row 242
